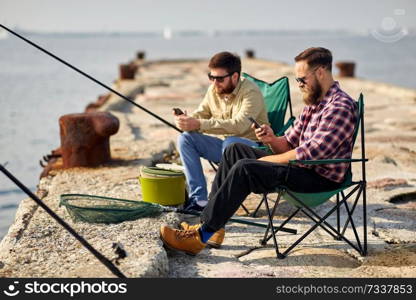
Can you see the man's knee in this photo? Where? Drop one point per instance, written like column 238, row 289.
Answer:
column 234, row 148
column 242, row 165
column 185, row 138
column 230, row 149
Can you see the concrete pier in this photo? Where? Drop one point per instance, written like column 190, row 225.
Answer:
column 36, row 246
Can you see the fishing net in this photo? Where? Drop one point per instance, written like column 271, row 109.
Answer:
column 98, row 209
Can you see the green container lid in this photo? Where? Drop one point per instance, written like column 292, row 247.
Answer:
column 158, row 172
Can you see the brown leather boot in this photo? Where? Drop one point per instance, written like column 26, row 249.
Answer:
column 187, row 241
column 216, row 239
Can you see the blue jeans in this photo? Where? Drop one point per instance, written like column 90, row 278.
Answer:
column 192, row 146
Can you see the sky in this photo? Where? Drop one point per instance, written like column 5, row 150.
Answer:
column 154, row 15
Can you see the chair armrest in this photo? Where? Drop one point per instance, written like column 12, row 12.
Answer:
column 326, row 161
column 264, row 148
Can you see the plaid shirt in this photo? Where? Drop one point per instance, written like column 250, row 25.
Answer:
column 325, row 131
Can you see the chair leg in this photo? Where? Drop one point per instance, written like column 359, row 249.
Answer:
column 350, row 212
column 336, row 236
column 338, row 218
column 281, row 228
column 322, row 220
column 213, row 166
column 258, row 206
column 365, row 218
column 270, row 225
column 270, row 216
column 254, row 213
column 245, row 209
column 319, row 223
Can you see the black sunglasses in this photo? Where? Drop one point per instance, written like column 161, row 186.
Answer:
column 218, row 78
column 302, row 80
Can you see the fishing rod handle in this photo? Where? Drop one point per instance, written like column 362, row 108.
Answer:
column 87, row 245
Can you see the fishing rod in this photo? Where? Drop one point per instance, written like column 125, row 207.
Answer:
column 98, row 82
column 105, row 261
column 91, row 78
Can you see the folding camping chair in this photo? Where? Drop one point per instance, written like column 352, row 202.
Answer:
column 304, row 202
column 277, row 98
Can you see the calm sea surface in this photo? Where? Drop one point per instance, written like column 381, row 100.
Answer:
column 36, row 90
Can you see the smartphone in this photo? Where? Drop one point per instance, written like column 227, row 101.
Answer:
column 178, row 111
column 257, row 125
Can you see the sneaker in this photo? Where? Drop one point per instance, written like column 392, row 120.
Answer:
column 194, row 207
column 216, row 239
column 187, row 241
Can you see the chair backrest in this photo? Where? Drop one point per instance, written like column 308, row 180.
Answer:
column 277, row 98
column 315, row 199
column 360, row 104
column 358, row 124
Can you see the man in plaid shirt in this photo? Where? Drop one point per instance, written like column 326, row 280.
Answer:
column 324, row 130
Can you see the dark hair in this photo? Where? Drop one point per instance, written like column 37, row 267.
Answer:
column 226, row 60
column 316, row 56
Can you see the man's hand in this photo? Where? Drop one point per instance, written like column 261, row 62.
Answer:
column 264, row 134
column 186, row 123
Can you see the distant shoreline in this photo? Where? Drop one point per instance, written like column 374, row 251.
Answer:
column 209, row 33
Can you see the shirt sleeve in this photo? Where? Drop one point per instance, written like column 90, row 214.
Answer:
column 203, row 111
column 335, row 128
column 252, row 105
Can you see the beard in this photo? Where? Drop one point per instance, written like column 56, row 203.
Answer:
column 228, row 89
column 312, row 96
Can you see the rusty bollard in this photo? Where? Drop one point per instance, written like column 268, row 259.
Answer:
column 51, row 161
column 127, row 71
column 250, row 53
column 346, row 68
column 141, row 55
column 85, row 138
column 101, row 100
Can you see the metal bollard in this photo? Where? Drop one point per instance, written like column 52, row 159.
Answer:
column 127, row 71
column 85, row 138
column 346, row 68
column 93, row 106
column 141, row 55
column 250, row 53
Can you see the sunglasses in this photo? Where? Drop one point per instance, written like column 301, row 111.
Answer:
column 302, row 80
column 218, row 78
